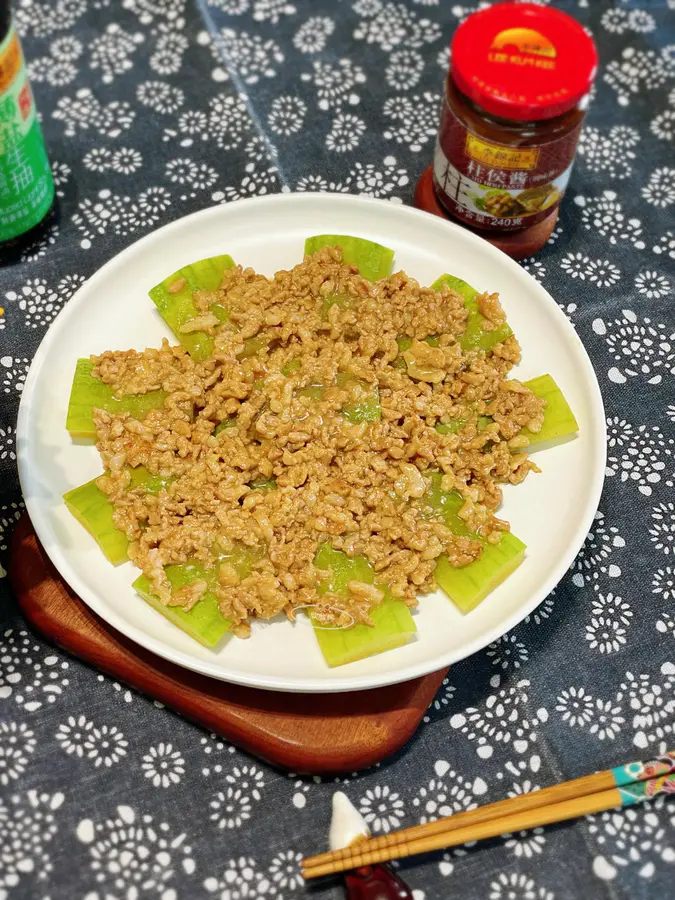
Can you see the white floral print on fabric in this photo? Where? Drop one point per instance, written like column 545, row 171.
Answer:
column 414, row 118
column 17, row 743
column 60, row 66
column 543, row 611
column 254, row 184
column 660, row 189
column 635, row 836
column 447, row 793
column 663, row 583
column 126, row 695
column 601, row 273
column 232, row 806
column 9, row 516
column 612, row 152
column 517, row 886
column 662, row 529
column 112, row 51
column 652, row 704
column 123, row 160
column 404, row 69
column 640, row 454
column 502, row 719
column 313, row 34
column 286, row 115
column 38, row 303
column 284, row 870
column 169, row 48
column 335, row 84
column 597, row 556
column 345, row 133
column 215, row 750
column 160, row 96
column 610, row 618
column 578, row 709
column 44, row 20
column 190, row 174
column 390, row 25
column 27, row 827
column 163, row 765
column 119, row 215
column 132, row 852
column 241, row 879
column 7, row 447
column 445, row 694
column 638, row 71
column 605, row 216
column 248, row 55
column 508, row 652
column 640, row 347
column 155, row 108
column 84, row 111
column 621, row 20
column 226, row 122
column 29, row 675
column 13, row 371
column 103, row 745
column 653, row 285
column 382, row 808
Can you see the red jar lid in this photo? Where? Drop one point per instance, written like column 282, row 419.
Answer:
column 523, row 61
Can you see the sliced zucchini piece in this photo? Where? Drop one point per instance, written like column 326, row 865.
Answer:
column 559, row 420
column 94, row 511
column 89, row 393
column 204, row 622
column 373, row 260
column 173, row 299
column 469, row 585
column 394, row 625
column 476, row 336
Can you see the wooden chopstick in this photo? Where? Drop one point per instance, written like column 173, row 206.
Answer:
column 604, row 790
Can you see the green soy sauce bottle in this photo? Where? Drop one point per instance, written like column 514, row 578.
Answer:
column 26, row 182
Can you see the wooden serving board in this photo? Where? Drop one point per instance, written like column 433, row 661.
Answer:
column 313, row 733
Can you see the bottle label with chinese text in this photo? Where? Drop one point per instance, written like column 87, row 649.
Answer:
column 495, row 186
column 26, row 183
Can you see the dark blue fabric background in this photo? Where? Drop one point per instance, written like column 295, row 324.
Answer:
column 155, row 108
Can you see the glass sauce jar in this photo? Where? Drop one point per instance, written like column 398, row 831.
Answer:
column 517, row 90
column 26, row 182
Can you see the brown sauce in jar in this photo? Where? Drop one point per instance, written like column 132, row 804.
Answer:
column 515, row 101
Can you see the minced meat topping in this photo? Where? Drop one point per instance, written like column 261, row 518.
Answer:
column 313, row 421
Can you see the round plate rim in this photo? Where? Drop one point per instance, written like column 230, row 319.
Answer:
column 307, row 685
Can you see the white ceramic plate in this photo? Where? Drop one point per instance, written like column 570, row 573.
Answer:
column 551, row 512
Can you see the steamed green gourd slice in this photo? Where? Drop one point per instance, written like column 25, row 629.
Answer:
column 94, row 511
column 372, row 260
column 394, row 625
column 204, row 622
column 559, row 421
column 366, row 409
column 89, row 393
column 173, row 299
column 469, row 585
column 476, row 336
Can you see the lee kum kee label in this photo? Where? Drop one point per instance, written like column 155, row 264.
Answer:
column 494, row 186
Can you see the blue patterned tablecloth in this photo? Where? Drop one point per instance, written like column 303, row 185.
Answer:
column 155, row 108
